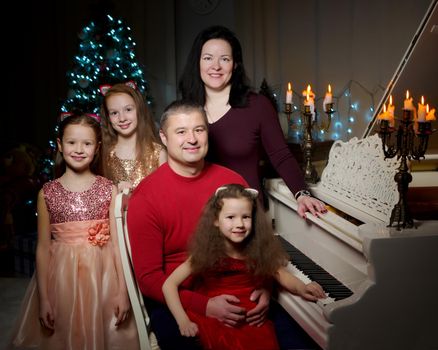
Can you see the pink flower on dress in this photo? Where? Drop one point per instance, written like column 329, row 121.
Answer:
column 98, row 234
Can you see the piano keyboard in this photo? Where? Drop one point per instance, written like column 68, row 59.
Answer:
column 307, row 271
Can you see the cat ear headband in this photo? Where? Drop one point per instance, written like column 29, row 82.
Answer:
column 251, row 191
column 64, row 115
column 104, row 88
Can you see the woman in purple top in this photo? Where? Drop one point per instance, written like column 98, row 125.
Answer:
column 241, row 123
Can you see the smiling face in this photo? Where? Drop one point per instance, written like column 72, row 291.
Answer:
column 235, row 221
column 216, row 64
column 122, row 114
column 186, row 139
column 78, row 146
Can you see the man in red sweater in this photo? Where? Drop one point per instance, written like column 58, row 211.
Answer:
column 163, row 212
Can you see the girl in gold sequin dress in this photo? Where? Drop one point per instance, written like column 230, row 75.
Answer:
column 130, row 147
column 77, row 299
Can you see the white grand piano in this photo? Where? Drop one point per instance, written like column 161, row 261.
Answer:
column 382, row 283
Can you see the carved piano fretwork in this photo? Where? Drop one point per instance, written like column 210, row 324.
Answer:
column 391, row 274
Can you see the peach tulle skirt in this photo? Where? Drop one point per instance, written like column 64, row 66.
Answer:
column 82, row 286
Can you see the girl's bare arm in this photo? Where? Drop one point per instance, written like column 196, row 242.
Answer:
column 170, row 291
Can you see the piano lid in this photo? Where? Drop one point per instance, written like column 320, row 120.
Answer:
column 416, row 72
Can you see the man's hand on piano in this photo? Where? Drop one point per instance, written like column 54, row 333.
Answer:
column 308, row 203
column 257, row 316
column 312, row 291
column 223, row 308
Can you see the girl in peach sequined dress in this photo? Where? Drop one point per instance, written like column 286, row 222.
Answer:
column 77, row 298
column 130, row 146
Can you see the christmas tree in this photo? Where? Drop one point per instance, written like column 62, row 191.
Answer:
column 106, row 56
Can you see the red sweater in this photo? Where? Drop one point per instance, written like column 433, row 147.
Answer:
column 163, row 212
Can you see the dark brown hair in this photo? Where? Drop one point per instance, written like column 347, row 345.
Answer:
column 263, row 252
column 79, row 118
column 191, row 85
column 146, row 131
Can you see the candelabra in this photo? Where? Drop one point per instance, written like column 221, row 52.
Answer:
column 410, row 143
column 310, row 120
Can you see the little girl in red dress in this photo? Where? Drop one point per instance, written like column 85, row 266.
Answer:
column 233, row 252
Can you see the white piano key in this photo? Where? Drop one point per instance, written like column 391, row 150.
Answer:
column 305, row 279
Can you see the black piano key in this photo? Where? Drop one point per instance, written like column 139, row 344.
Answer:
column 316, row 273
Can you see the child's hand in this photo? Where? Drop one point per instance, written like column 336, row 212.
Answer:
column 122, row 185
column 46, row 315
column 312, row 291
column 188, row 329
column 122, row 308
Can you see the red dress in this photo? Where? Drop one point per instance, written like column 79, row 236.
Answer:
column 232, row 278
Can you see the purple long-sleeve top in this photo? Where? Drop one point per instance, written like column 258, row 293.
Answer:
column 238, row 138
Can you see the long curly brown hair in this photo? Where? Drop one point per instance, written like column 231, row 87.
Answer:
column 146, row 130
column 263, row 252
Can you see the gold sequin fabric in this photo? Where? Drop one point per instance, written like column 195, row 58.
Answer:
column 132, row 170
column 65, row 206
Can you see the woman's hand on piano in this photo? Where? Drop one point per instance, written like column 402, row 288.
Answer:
column 308, row 203
column 312, row 291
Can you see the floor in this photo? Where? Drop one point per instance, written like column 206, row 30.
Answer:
column 11, row 294
column 12, row 289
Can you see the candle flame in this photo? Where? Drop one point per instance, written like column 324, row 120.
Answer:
column 390, row 100
column 329, row 88
column 289, row 86
column 308, row 89
column 407, row 94
column 384, row 108
column 422, row 100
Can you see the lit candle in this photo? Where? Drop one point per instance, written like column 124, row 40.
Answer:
column 309, row 101
column 391, row 111
column 289, row 93
column 310, row 98
column 384, row 115
column 430, row 115
column 310, row 92
column 328, row 98
column 408, row 104
column 421, row 111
